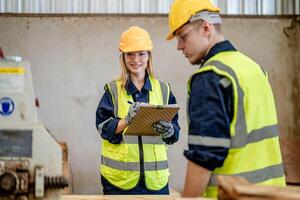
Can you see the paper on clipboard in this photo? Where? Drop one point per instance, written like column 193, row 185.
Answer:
column 147, row 115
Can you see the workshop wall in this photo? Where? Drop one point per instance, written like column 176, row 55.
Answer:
column 73, row 56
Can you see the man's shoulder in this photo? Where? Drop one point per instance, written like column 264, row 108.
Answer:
column 210, row 79
column 209, row 75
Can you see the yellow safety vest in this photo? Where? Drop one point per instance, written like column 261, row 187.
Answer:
column 120, row 163
column 254, row 151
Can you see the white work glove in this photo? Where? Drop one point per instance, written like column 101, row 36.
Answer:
column 165, row 129
column 132, row 112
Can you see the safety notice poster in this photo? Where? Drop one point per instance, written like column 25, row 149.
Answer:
column 12, row 79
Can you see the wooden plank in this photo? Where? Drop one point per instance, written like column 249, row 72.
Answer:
column 126, row 197
column 291, row 158
column 65, row 167
column 267, row 192
column 238, row 188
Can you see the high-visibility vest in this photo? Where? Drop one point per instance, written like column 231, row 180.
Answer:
column 120, row 163
column 254, row 151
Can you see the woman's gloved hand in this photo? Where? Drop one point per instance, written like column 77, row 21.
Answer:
column 165, row 128
column 132, row 112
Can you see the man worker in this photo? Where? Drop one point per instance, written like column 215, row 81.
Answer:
column 231, row 110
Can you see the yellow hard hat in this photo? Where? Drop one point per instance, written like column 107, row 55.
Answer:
column 135, row 39
column 182, row 10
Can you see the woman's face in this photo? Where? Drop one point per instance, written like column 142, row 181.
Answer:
column 136, row 62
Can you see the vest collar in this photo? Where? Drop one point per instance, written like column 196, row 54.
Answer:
column 217, row 48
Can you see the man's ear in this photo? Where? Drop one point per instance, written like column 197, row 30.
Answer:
column 207, row 27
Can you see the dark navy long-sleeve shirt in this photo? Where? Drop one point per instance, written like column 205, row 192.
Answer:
column 105, row 112
column 210, row 112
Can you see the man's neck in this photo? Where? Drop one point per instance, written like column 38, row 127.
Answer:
column 214, row 40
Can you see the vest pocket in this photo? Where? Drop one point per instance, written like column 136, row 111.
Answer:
column 116, row 166
column 113, row 175
column 156, row 180
column 119, row 153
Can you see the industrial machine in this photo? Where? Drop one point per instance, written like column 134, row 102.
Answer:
column 30, row 158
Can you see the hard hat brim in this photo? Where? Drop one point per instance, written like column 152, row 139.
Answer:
column 170, row 36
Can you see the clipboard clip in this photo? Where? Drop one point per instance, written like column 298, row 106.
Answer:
column 159, row 107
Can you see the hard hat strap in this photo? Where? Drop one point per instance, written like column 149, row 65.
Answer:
column 210, row 17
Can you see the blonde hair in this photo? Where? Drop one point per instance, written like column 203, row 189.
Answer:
column 125, row 72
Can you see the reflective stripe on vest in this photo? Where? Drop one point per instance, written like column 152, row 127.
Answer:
column 114, row 93
column 133, row 166
column 100, row 126
column 238, row 141
column 257, row 176
column 165, row 92
column 129, row 139
column 208, row 141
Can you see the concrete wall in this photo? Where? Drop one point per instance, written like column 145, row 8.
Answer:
column 73, row 57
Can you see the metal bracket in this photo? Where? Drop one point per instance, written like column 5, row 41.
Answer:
column 287, row 30
column 39, row 189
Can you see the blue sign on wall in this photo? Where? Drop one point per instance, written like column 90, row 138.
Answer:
column 7, row 106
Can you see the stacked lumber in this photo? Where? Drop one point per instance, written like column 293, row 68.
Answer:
column 238, row 188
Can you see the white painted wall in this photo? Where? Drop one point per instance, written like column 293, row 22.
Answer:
column 73, row 57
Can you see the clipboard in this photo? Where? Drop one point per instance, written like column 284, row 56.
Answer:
column 147, row 115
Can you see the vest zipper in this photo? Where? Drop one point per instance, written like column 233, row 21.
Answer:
column 141, row 152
